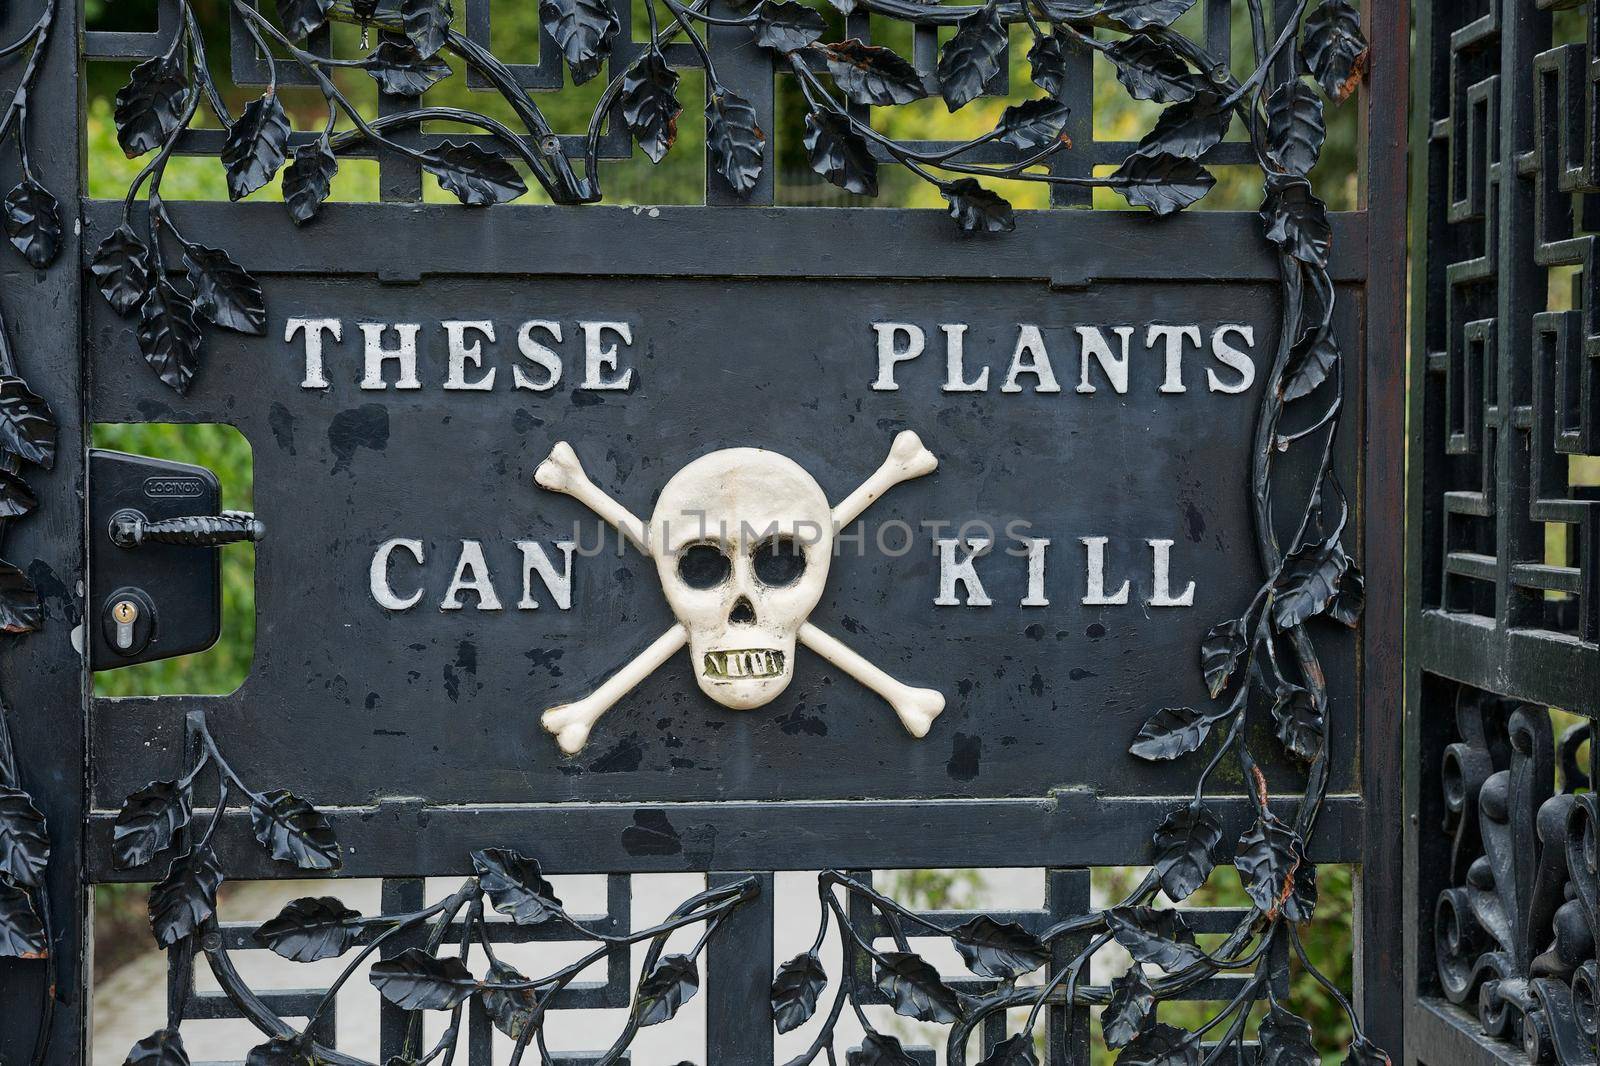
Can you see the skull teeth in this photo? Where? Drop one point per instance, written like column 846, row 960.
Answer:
column 743, row 664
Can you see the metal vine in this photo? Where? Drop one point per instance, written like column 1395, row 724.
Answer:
column 1267, row 657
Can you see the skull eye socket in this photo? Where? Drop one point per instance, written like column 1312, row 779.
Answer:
column 703, row 566
column 779, row 561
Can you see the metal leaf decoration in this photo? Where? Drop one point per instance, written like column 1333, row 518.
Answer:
column 164, row 1047
column 254, row 149
column 1297, row 221
column 671, row 984
column 1162, row 1045
column 1158, row 937
column 1308, row 582
column 416, row 980
column 795, row 990
column 915, row 989
column 1313, row 359
column 27, row 428
column 840, row 154
column 971, row 58
column 1131, row 1010
column 1047, row 64
column 1335, row 49
column 224, row 292
column 788, row 26
column 650, row 104
column 281, row 1051
column 1035, row 124
column 121, row 269
column 1165, row 183
column 20, row 609
column 310, row 929
column 427, row 24
column 1186, row 849
column 294, row 831
column 16, row 498
column 186, row 897
column 734, row 140
column 1267, row 857
column 308, row 179
column 150, row 108
column 21, row 931
column 880, row 1049
column 401, row 70
column 1222, row 651
column 1285, row 1040
column 24, row 841
column 1295, row 127
column 149, row 821
column 1190, row 129
column 476, row 176
column 1003, row 951
column 1299, row 722
column 869, row 74
column 1171, row 733
column 1151, row 70
column 169, row 339
column 301, row 18
column 510, row 1009
column 583, row 30
column 1015, row 1050
column 1144, row 14
column 976, row 209
column 33, row 223
column 515, row 886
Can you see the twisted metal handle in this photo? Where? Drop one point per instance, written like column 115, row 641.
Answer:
column 129, row 529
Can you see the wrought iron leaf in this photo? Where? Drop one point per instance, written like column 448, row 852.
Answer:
column 1315, row 355
column 1335, row 49
column 148, row 822
column 1047, row 64
column 1266, row 860
column 673, row 982
column 186, row 897
column 303, row 17
column 427, row 24
column 869, row 74
column 1171, row 733
column 1300, row 725
column 788, row 26
column 224, row 291
column 1365, row 1053
column 152, row 105
column 282, row 1051
column 16, row 497
column 1222, row 651
column 583, row 30
column 1285, row 1040
column 1297, row 221
column 650, row 104
column 416, row 980
column 879, row 1049
column 168, row 336
column 308, row 180
column 477, row 177
column 915, row 988
column 1295, row 128
column 839, row 153
column 1143, row 14
column 20, row 609
column 1162, row 1045
column 121, row 269
column 1301, row 905
column 292, row 830
column 27, row 428
column 510, row 1009
column 1186, row 849
column 255, row 146
column 971, row 58
column 401, row 70
column 1001, row 950
column 1190, row 129
column 795, row 990
column 1034, row 125
column 1351, row 599
column 516, row 886
column 1014, row 1050
column 734, row 140
column 21, row 931
column 1308, row 582
column 1158, row 937
column 976, row 209
column 33, row 223
column 310, row 929
column 1150, row 70
column 164, row 1047
column 1163, row 182
column 24, row 840
column 1131, row 1010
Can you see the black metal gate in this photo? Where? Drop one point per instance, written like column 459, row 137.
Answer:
column 416, row 731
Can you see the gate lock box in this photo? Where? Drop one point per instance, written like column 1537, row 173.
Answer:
column 155, row 527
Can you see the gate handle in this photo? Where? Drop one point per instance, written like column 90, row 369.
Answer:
column 129, row 529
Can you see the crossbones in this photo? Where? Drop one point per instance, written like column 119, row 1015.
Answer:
column 742, row 539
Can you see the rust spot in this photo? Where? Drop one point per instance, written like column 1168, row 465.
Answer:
column 1358, row 71
column 1064, row 138
column 1261, row 785
column 34, row 955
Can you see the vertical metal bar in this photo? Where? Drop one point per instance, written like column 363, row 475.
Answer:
column 1077, row 161
column 44, row 681
column 1219, row 30
column 399, row 895
column 746, row 70
column 1067, row 895
column 739, row 979
column 399, row 177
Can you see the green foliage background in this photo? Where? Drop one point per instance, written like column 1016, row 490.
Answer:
column 679, row 179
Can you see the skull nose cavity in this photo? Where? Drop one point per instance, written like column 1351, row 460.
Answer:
column 743, row 613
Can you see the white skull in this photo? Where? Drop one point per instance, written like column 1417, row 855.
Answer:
column 742, row 539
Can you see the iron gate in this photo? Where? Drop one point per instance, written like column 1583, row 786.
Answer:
column 419, row 744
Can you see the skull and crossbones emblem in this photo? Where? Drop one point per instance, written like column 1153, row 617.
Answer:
column 742, row 540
